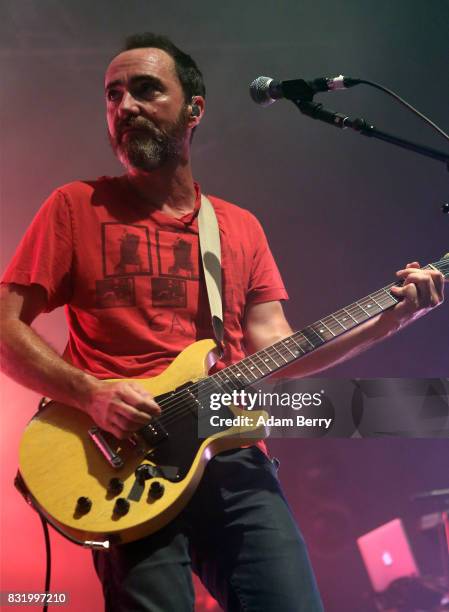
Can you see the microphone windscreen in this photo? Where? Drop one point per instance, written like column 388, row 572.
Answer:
column 260, row 91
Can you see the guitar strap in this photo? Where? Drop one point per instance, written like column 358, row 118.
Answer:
column 209, row 236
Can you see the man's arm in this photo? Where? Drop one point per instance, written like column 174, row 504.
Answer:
column 119, row 408
column 422, row 290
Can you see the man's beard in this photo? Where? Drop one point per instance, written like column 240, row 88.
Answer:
column 149, row 148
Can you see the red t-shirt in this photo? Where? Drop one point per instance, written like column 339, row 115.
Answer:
column 132, row 282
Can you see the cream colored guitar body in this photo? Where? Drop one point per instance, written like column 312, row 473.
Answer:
column 68, row 478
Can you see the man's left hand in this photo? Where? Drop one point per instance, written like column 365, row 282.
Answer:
column 422, row 290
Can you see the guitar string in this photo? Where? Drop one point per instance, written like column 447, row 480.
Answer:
column 171, row 404
column 186, row 398
column 168, row 403
column 178, row 399
column 173, row 400
column 181, row 403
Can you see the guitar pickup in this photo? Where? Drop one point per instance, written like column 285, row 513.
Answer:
column 153, row 433
column 104, row 447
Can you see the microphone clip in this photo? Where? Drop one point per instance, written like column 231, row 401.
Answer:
column 297, row 89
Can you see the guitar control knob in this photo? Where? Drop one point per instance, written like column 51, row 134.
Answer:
column 83, row 505
column 156, row 490
column 121, row 506
column 115, row 486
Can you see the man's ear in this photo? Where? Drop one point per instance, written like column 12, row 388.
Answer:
column 197, row 107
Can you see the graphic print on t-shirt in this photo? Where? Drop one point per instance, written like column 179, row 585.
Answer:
column 168, row 292
column 113, row 292
column 130, row 251
column 175, row 253
column 126, row 250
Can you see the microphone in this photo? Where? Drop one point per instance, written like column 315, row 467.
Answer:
column 265, row 90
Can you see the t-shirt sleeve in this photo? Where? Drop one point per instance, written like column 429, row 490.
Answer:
column 45, row 253
column 265, row 283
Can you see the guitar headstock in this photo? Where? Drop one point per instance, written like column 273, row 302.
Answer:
column 443, row 266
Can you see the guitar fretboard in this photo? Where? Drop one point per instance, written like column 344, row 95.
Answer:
column 255, row 367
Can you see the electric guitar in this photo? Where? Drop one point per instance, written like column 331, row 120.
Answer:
column 97, row 490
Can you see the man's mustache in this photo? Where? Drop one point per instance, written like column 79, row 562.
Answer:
column 138, row 124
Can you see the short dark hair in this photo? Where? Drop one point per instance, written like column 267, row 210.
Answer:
column 188, row 73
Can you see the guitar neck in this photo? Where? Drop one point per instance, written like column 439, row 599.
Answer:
column 269, row 360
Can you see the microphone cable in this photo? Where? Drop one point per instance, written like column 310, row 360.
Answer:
column 403, row 102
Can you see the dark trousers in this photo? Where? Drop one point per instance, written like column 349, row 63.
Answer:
column 237, row 533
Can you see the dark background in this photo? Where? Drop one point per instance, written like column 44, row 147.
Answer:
column 342, row 213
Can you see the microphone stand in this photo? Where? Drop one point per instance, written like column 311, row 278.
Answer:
column 317, row 111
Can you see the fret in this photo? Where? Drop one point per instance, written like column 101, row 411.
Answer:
column 385, row 300
column 244, row 364
column 328, row 328
column 271, row 357
column 322, row 333
column 298, row 345
column 339, row 322
column 333, row 324
column 223, row 378
column 371, row 307
column 302, row 346
column 358, row 318
column 273, row 346
column 286, row 351
column 390, row 297
column 436, row 266
column 262, row 366
column 442, row 266
column 360, row 306
column 307, row 333
column 235, row 377
column 349, row 322
column 213, row 378
column 349, row 315
column 287, row 341
column 253, row 364
column 240, row 374
column 301, row 333
column 268, row 360
column 376, row 302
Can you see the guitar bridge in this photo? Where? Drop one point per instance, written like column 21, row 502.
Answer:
column 108, row 453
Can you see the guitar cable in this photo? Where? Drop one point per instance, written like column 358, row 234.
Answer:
column 48, row 559
column 22, row 489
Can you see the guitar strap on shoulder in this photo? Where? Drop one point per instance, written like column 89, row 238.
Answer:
column 209, row 235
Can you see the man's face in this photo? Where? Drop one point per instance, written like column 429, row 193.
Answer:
column 146, row 111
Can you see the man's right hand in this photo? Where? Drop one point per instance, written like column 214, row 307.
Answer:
column 120, row 407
